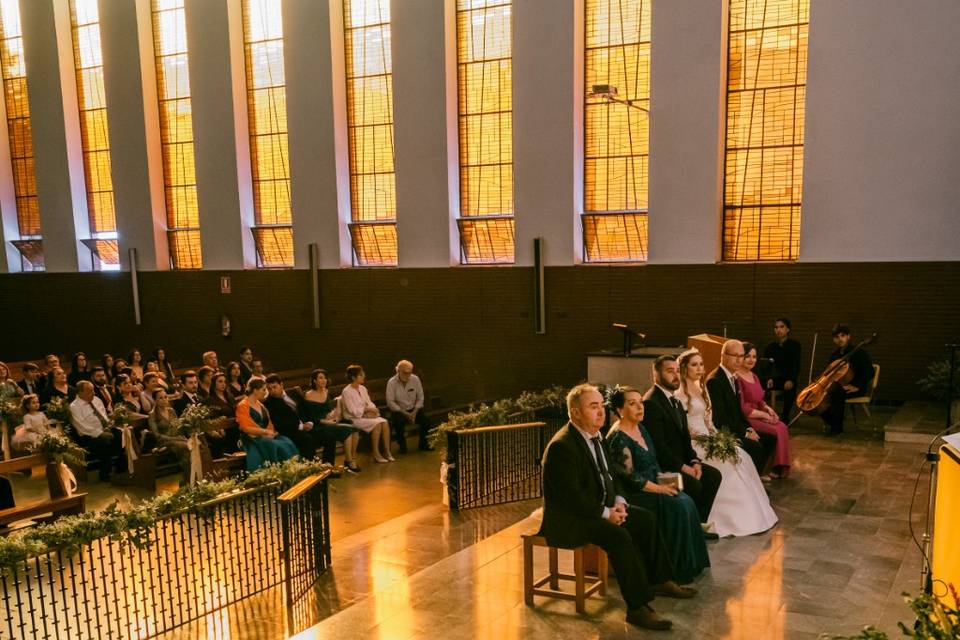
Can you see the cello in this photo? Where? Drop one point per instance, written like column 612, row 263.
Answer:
column 814, row 399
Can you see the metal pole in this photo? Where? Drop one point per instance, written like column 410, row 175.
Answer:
column 134, row 281
column 926, row 575
column 953, row 367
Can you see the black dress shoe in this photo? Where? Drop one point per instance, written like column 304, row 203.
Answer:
column 671, row 589
column 647, row 618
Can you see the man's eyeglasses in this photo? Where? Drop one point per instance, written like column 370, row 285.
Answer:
column 734, row 355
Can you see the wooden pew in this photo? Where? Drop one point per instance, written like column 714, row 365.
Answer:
column 57, row 505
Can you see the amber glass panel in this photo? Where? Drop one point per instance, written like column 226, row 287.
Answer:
column 369, row 70
column 94, row 136
column 176, row 133
column 14, row 73
column 616, row 136
column 485, row 110
column 767, row 77
column 267, row 114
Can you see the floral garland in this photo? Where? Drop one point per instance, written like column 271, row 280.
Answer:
column 721, row 445
column 195, row 419
column 936, row 619
column 59, row 448
column 10, row 408
column 70, row 533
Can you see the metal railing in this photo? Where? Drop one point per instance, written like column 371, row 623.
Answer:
column 191, row 564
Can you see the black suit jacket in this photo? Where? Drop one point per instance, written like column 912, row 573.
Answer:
column 725, row 404
column 286, row 419
column 36, row 386
column 862, row 367
column 572, row 490
column 669, row 431
column 183, row 402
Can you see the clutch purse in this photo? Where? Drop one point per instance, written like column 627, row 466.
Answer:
column 671, row 479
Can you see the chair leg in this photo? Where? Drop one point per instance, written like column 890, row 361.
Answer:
column 528, row 572
column 554, row 570
column 866, row 410
column 853, row 412
column 579, row 579
column 603, row 571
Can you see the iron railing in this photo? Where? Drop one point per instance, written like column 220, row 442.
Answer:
column 192, row 564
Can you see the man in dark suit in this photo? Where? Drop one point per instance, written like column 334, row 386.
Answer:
column 783, row 357
column 31, row 382
column 189, row 383
column 724, row 390
column 859, row 386
column 666, row 421
column 285, row 412
column 580, row 506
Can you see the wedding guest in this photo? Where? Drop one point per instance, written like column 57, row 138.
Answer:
column 761, row 416
column 127, row 394
column 188, row 392
column 166, row 369
column 288, row 418
column 222, row 405
column 98, row 376
column 405, row 400
column 151, row 382
column 135, row 362
column 79, row 369
column 119, row 367
column 321, row 409
column 258, row 371
column 261, row 441
column 246, row 364
column 50, row 362
column 106, row 361
column 92, row 427
column 30, row 382
column 667, row 424
column 7, row 385
column 210, row 360
column 783, row 358
column 359, row 410
column 35, row 424
column 204, row 379
column 633, row 463
column 57, row 387
column 742, row 507
column 235, row 381
column 158, row 430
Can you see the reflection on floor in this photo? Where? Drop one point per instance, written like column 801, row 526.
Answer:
column 404, row 567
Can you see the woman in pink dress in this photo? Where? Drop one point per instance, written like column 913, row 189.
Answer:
column 762, row 417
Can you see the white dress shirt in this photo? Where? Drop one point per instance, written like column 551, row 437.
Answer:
column 83, row 416
column 406, row 397
column 593, row 454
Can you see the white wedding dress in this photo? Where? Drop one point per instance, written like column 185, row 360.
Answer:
column 742, row 507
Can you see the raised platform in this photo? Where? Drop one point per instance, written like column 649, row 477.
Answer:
column 916, row 422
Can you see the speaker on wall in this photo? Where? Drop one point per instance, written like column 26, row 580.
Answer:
column 539, row 294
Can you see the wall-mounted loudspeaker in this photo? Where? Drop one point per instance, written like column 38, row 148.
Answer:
column 539, row 294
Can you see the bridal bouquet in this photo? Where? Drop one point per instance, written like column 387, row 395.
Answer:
column 721, row 445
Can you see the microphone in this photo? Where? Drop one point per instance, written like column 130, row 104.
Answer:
column 769, row 360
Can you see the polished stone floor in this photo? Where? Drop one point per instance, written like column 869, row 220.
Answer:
column 404, row 567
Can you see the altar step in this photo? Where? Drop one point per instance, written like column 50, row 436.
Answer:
column 917, row 421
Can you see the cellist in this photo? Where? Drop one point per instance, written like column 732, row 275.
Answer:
column 862, row 368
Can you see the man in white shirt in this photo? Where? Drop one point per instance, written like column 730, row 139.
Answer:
column 405, row 400
column 89, row 419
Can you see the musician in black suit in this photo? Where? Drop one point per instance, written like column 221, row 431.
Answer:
column 666, row 421
column 580, row 506
column 859, row 386
column 783, row 365
column 724, row 393
column 189, row 392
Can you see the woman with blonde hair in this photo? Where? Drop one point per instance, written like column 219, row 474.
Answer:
column 742, row 507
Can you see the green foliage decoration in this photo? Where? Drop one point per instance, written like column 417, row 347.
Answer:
column 936, row 619
column 720, row 445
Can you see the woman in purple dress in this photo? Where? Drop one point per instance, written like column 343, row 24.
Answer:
column 762, row 417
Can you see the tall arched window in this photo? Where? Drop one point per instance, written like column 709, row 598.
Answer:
column 766, row 90
column 369, row 71
column 267, row 114
column 176, row 133
column 485, row 99
column 94, row 133
column 616, row 130
column 19, row 132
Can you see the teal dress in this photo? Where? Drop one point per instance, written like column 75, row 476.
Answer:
column 632, row 466
column 260, row 451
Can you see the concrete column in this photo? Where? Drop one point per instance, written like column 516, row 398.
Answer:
column 58, row 159
column 687, row 111
column 311, row 131
column 224, row 191
column 139, row 224
column 421, row 134
column 546, row 99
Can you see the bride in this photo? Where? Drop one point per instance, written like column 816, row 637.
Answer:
column 742, row 507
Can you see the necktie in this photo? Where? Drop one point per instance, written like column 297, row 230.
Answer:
column 678, row 409
column 733, row 383
column 103, row 420
column 608, row 491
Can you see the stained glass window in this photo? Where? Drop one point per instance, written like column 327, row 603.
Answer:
column 369, row 71
column 267, row 113
column 616, row 135
column 766, row 89
column 485, row 99
column 176, row 133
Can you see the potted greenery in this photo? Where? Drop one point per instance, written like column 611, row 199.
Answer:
column 936, row 620
column 937, row 382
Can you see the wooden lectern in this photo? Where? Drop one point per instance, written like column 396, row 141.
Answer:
column 710, row 347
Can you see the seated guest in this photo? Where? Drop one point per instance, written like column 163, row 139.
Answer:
column 98, row 376
column 158, row 430
column 258, row 371
column 235, row 381
column 633, row 463
column 222, row 404
column 89, row 420
column 188, row 392
column 581, row 506
column 30, row 382
column 135, row 362
column 8, row 387
column 666, row 423
column 210, row 360
column 57, row 387
column 204, row 378
column 35, row 424
column 357, row 409
column 152, row 367
column 50, row 362
column 127, row 394
column 724, row 389
column 261, row 441
column 106, row 361
column 119, row 366
column 742, row 507
column 166, row 369
column 79, row 369
column 761, row 416
column 783, row 358
column 405, row 399
column 285, row 411
column 151, row 382
column 246, row 364
column 320, row 409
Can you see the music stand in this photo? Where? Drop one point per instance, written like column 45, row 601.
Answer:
column 628, row 336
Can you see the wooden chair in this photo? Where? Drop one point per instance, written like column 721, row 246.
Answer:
column 866, row 400
column 584, row 584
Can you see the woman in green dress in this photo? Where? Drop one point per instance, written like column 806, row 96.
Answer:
column 633, row 464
